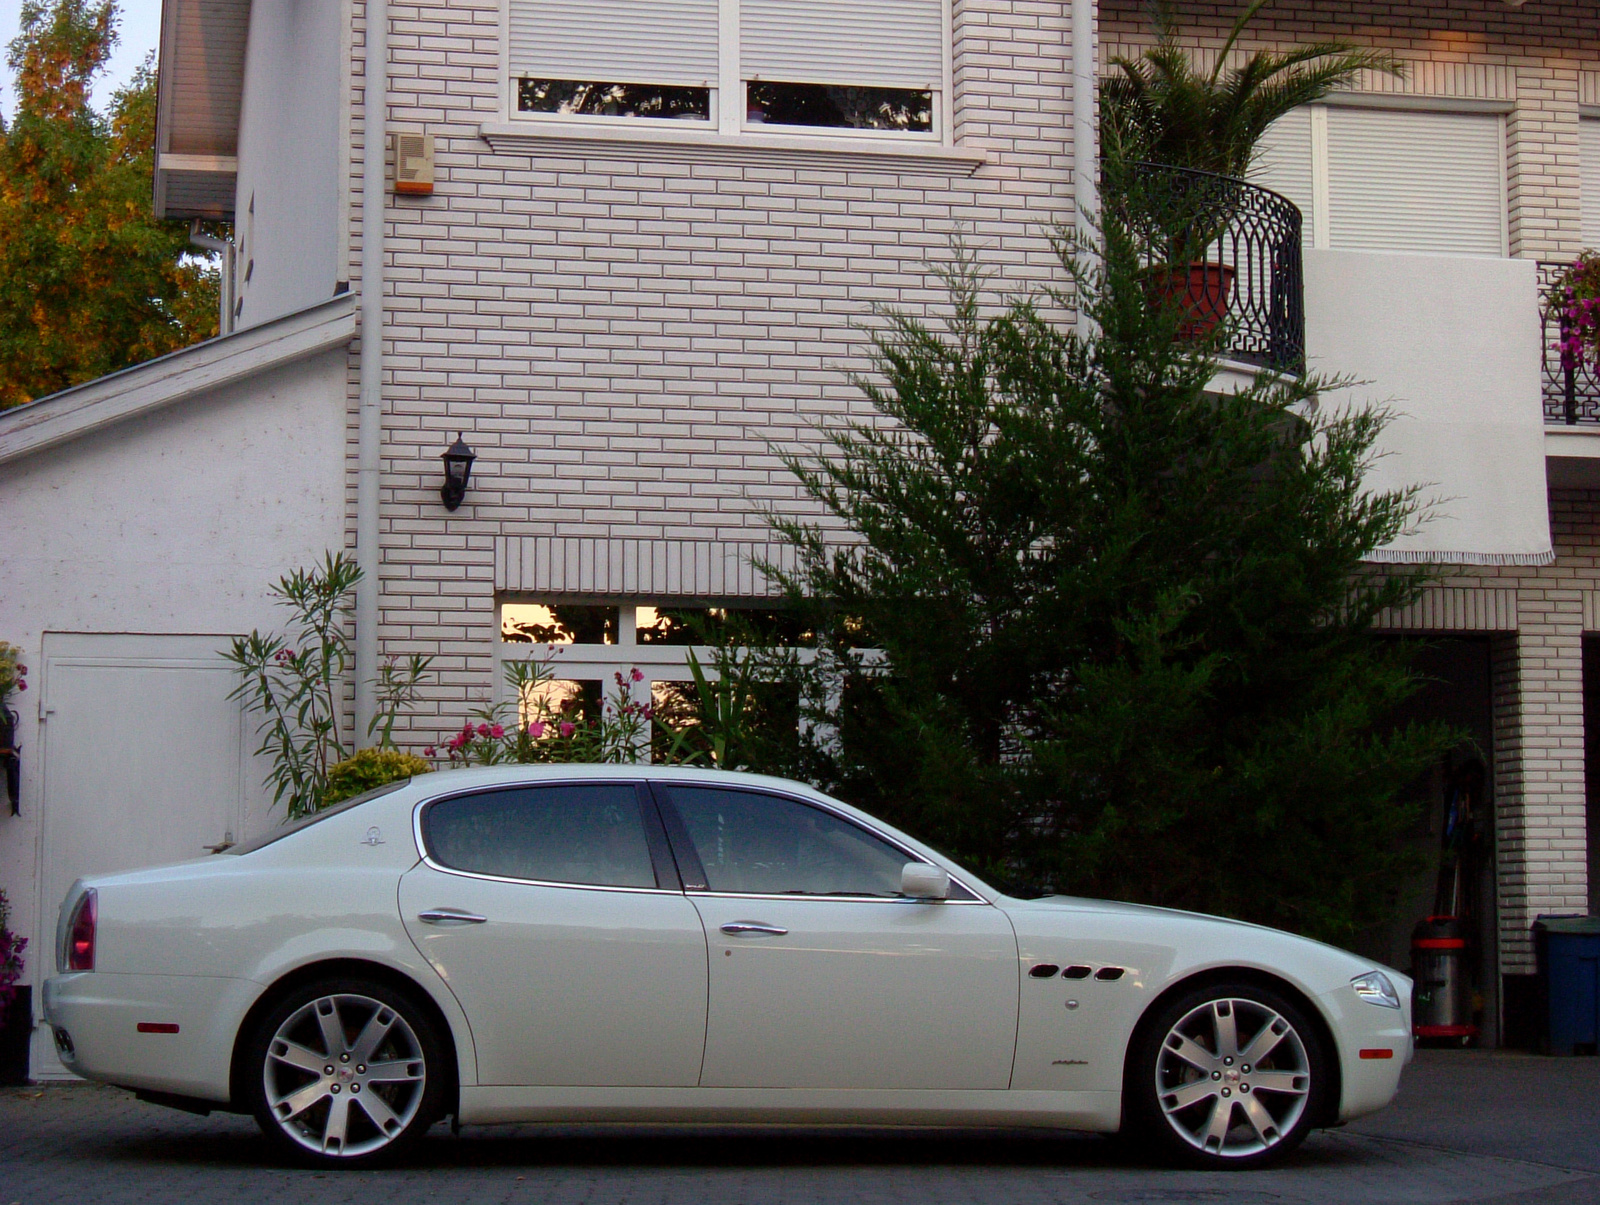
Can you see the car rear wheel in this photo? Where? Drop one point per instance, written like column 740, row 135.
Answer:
column 1229, row 1075
column 346, row 1073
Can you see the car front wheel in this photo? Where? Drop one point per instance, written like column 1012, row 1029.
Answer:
column 346, row 1073
column 1229, row 1075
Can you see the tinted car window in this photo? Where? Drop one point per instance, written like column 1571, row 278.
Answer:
column 769, row 845
column 588, row 833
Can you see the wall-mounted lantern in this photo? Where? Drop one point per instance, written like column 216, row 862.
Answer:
column 457, row 471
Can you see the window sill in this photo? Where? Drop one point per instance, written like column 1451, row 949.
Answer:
column 677, row 145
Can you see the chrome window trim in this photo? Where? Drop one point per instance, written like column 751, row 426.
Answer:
column 427, row 858
column 650, row 784
column 911, row 854
column 496, row 878
column 897, row 900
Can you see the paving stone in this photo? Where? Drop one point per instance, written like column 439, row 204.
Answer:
column 1468, row 1127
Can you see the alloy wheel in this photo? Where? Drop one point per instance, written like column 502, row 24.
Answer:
column 1233, row 1077
column 344, row 1075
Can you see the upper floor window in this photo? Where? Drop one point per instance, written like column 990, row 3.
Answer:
column 842, row 66
column 1370, row 179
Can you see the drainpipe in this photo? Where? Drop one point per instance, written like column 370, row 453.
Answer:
column 1085, row 140
column 224, row 248
column 369, row 429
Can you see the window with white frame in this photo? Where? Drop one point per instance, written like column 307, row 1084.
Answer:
column 878, row 67
column 596, row 653
column 595, row 657
column 1391, row 179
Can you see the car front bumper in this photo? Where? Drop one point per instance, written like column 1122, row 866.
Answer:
column 1374, row 1046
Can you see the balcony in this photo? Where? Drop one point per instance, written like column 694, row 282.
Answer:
column 1571, row 395
column 1232, row 246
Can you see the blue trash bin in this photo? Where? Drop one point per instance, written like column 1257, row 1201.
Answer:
column 1568, row 949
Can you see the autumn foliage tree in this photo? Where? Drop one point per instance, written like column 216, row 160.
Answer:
column 90, row 281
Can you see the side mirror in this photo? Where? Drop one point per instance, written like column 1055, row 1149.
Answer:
column 920, row 881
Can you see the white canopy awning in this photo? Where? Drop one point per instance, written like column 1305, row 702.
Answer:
column 1451, row 346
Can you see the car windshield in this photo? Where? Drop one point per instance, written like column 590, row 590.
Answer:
column 288, row 830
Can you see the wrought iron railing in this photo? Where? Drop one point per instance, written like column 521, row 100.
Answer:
column 1571, row 395
column 1228, row 248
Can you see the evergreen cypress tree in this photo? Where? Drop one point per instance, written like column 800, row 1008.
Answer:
column 1126, row 622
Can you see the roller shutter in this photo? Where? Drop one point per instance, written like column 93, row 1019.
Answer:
column 877, row 43
column 1589, row 188
column 1283, row 162
column 615, row 41
column 1415, row 181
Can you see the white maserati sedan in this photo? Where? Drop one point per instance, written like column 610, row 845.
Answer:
column 625, row 943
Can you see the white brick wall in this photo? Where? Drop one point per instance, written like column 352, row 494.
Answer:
column 625, row 337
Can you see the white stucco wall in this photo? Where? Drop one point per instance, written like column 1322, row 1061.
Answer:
column 173, row 522
column 290, row 159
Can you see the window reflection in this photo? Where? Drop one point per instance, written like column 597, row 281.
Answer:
column 839, row 106
column 592, row 98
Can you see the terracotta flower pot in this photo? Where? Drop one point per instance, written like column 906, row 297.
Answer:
column 1199, row 291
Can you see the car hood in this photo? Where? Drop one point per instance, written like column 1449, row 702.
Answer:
column 1181, row 927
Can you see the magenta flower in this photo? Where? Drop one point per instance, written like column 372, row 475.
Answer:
column 483, row 730
column 567, row 727
column 497, row 732
column 638, row 674
column 430, row 751
column 536, row 729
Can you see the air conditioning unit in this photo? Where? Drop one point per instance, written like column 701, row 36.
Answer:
column 413, row 164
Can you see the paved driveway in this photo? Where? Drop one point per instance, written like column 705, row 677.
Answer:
column 1467, row 1127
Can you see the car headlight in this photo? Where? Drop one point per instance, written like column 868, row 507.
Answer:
column 1376, row 988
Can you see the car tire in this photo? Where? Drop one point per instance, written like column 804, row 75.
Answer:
column 1229, row 1075
column 346, row 1073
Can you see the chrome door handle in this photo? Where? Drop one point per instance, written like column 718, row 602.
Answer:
column 450, row 916
column 752, row 926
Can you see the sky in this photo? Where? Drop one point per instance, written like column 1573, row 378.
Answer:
column 140, row 30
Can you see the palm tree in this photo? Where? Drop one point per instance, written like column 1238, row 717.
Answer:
column 1161, row 108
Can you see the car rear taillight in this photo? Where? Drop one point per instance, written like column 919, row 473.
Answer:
column 80, row 932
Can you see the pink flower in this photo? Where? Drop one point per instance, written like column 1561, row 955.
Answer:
column 430, row 751
column 483, row 730
column 567, row 727
column 497, row 732
column 638, row 674
column 536, row 729
column 22, row 685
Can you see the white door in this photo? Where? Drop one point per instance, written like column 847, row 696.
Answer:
column 821, row 977
column 145, row 760
column 554, row 914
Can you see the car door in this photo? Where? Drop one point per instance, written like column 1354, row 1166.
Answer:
column 555, row 915
column 821, row 975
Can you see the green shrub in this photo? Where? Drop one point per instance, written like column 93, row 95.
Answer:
column 370, row 768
